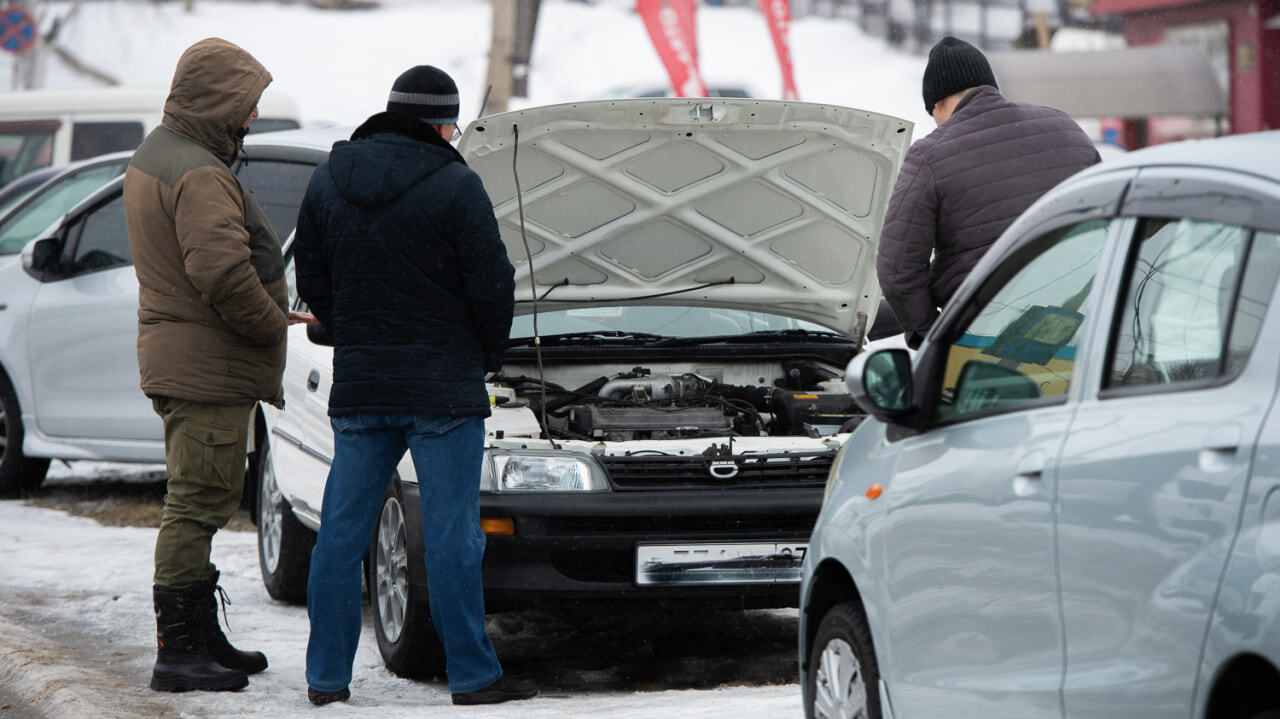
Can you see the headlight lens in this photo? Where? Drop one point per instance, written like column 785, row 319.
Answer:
column 834, row 472
column 531, row 472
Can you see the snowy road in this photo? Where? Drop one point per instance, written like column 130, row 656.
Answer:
column 76, row 640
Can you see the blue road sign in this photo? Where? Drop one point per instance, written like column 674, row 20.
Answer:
column 17, row 30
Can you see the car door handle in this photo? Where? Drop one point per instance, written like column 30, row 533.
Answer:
column 313, row 380
column 1220, row 448
column 1027, row 475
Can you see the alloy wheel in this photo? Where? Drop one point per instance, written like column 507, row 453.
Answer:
column 840, row 691
column 391, row 570
column 4, row 432
column 270, row 514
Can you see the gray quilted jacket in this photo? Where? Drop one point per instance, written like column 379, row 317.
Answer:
column 960, row 187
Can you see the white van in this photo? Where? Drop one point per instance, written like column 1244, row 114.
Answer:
column 39, row 128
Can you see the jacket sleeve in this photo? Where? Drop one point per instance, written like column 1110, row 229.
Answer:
column 209, row 217
column 310, row 265
column 488, row 279
column 906, row 244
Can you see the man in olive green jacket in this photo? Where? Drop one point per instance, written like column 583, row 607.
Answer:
column 212, row 313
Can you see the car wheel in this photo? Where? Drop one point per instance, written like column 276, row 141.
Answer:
column 843, row 677
column 401, row 619
column 18, row 472
column 284, row 544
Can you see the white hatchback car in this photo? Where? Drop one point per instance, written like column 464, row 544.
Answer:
column 69, row 312
column 1069, row 504
column 672, row 397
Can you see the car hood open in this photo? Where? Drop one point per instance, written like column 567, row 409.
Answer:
column 751, row 204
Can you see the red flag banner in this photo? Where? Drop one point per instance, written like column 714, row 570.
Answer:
column 672, row 29
column 777, row 14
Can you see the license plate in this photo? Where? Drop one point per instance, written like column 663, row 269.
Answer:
column 719, row 563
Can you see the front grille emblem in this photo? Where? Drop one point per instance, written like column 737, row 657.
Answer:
column 723, row 469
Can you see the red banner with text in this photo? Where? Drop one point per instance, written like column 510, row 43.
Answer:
column 672, row 29
column 777, row 14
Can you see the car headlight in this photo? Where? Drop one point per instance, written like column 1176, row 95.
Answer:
column 534, row 472
column 834, row 472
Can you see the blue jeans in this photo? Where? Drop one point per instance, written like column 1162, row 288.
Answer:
column 447, row 454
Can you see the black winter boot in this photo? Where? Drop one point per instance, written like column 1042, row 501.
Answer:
column 207, row 594
column 183, row 663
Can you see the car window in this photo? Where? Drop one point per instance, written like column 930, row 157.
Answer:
column 1020, row 346
column 90, row 139
column 17, row 229
column 103, row 240
column 1193, row 302
column 24, row 146
column 279, row 187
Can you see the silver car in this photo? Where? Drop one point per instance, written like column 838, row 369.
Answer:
column 1067, row 504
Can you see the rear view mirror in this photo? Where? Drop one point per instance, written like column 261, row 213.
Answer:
column 983, row 385
column 880, row 383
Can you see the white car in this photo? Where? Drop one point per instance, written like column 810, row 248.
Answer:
column 69, row 385
column 1069, row 504
column 672, row 398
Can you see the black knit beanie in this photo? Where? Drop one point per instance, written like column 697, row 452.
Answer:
column 427, row 93
column 954, row 65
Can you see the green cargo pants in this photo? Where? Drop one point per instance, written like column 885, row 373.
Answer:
column 204, row 452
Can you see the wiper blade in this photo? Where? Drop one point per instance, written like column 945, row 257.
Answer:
column 795, row 333
column 601, row 336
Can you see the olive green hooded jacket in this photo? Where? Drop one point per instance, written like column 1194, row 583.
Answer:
column 211, row 289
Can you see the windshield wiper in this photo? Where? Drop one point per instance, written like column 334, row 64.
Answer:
column 600, row 336
column 794, row 333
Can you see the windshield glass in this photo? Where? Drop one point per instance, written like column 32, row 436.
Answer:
column 666, row 321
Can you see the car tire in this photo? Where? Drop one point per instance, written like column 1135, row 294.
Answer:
column 843, row 678
column 284, row 543
column 401, row 618
column 18, row 472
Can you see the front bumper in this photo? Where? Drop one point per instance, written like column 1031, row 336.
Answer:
column 583, row 547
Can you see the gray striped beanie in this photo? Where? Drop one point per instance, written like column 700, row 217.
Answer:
column 427, row 93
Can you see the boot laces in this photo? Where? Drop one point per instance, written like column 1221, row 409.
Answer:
column 224, row 599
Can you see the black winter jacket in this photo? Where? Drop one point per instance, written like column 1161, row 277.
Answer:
column 960, row 187
column 398, row 256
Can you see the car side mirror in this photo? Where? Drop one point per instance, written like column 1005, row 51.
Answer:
column 880, row 383
column 42, row 258
column 319, row 334
column 983, row 385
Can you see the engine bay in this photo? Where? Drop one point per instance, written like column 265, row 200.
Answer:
column 794, row 399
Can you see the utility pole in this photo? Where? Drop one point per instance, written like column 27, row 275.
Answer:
column 502, row 52
column 510, row 51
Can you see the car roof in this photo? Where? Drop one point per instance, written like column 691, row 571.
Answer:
column 317, row 138
column 1252, row 153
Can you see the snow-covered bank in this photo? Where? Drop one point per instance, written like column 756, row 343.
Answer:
column 76, row 640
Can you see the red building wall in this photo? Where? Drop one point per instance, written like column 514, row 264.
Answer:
column 1253, row 51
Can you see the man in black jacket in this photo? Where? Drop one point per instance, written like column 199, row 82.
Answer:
column 399, row 258
column 962, row 185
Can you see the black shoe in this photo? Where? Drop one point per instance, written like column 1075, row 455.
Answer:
column 206, row 595
column 505, row 689
column 319, row 698
column 183, row 663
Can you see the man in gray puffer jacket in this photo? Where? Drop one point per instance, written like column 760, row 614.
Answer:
column 961, row 186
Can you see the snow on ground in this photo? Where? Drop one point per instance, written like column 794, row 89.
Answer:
column 339, row 65
column 76, row 640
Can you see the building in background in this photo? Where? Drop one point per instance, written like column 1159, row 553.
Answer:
column 1242, row 41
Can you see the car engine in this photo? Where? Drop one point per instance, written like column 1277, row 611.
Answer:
column 807, row 400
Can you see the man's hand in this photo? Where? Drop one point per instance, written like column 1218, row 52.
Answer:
column 305, row 318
